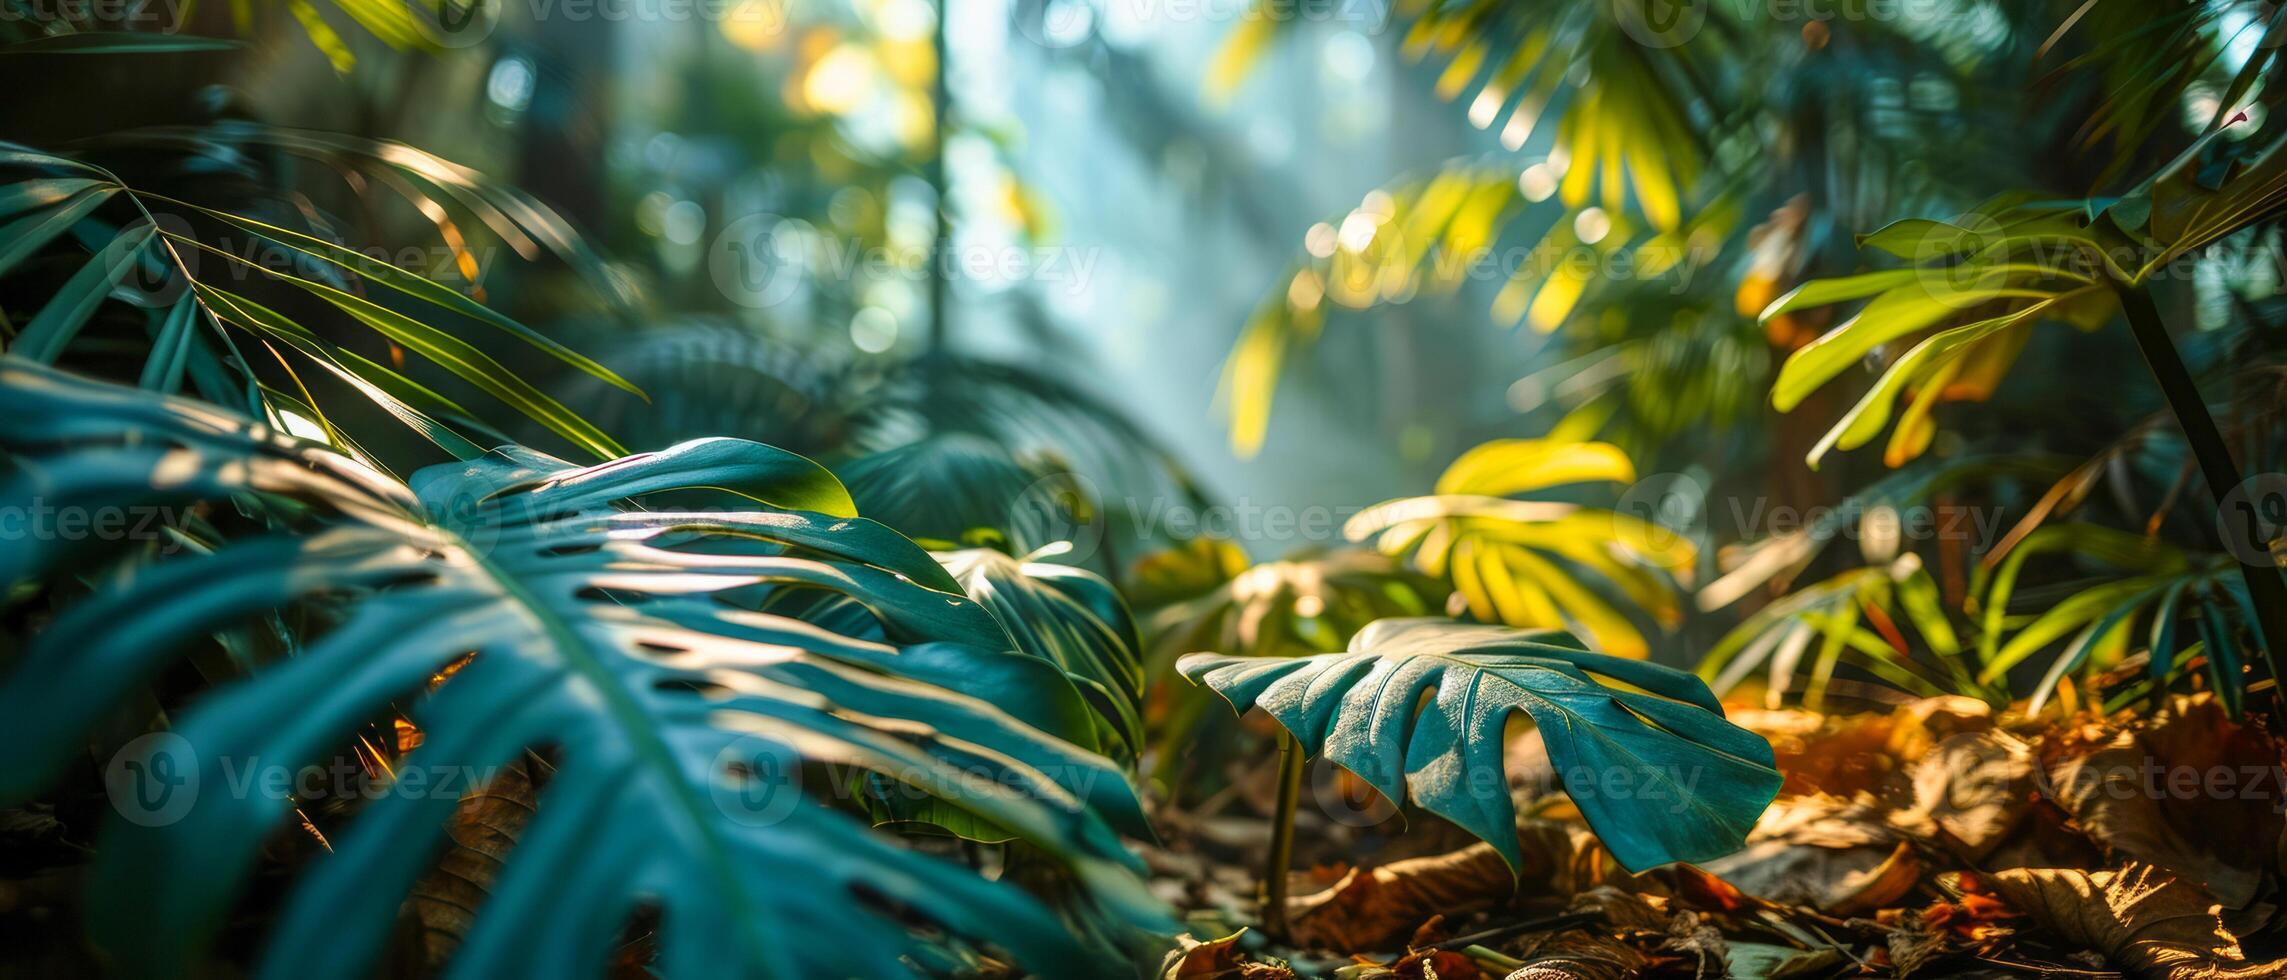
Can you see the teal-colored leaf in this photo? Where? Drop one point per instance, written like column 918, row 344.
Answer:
column 27, row 233
column 419, row 287
column 45, row 338
column 1417, row 708
column 1071, row 618
column 678, row 719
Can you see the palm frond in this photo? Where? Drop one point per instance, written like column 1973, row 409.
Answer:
column 1510, row 561
column 199, row 298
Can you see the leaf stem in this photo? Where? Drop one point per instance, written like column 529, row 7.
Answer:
column 1290, row 757
column 2264, row 586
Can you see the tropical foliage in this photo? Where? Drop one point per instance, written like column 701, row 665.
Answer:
column 515, row 601
column 1942, row 287
column 1502, row 555
column 796, row 626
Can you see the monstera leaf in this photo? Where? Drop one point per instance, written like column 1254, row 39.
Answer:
column 1071, row 618
column 958, row 490
column 1418, row 707
column 514, row 602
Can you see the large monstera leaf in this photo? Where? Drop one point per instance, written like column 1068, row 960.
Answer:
column 1073, row 619
column 515, row 602
column 1418, row 707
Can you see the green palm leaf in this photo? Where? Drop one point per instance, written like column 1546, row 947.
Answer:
column 60, row 194
column 2092, row 627
column 1512, row 561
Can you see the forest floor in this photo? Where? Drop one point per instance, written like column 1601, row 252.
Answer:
column 1938, row 839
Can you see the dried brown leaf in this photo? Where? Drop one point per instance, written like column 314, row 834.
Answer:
column 1833, row 854
column 1379, row 908
column 442, row 904
column 1435, row 964
column 1971, row 792
column 2186, row 789
column 2141, row 919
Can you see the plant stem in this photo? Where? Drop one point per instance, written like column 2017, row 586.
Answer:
column 1282, row 835
column 940, row 122
column 2264, row 586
